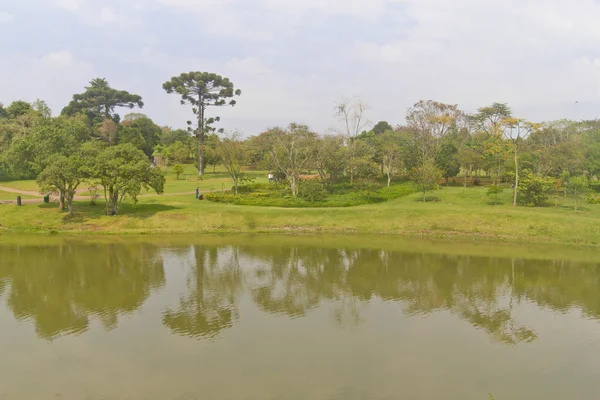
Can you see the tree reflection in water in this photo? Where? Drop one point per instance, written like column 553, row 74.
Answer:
column 292, row 281
column 59, row 288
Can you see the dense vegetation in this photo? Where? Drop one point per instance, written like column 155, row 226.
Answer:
column 439, row 144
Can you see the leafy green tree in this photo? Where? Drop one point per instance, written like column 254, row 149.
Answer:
column 290, row 151
column 123, row 171
column 330, row 159
column 211, row 154
column 63, row 175
column 491, row 119
column 312, row 191
column 381, row 127
column 18, row 108
column 100, row 101
column 534, row 189
column 494, row 191
column 578, row 185
column 3, row 112
column 390, row 145
column 517, row 131
column 427, row 177
column 150, row 133
column 233, row 154
column 178, row 169
column 202, row 90
column 446, row 161
column 178, row 153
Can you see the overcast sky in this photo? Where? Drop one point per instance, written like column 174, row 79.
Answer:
column 294, row 58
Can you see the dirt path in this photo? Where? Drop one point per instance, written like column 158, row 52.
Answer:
column 18, row 191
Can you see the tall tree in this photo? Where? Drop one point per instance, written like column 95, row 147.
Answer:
column 100, row 100
column 290, row 151
column 390, row 144
column 491, row 119
column 232, row 153
column 202, row 90
column 517, row 132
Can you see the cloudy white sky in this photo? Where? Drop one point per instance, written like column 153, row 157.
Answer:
column 294, row 58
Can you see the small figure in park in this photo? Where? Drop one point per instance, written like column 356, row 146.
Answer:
column 197, row 192
column 270, row 177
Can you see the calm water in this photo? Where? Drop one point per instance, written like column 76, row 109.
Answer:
column 82, row 320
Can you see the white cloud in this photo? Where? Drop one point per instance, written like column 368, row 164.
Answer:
column 59, row 59
column 121, row 14
column 6, row 17
column 53, row 77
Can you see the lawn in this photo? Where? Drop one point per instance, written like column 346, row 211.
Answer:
column 13, row 196
column 455, row 213
column 213, row 181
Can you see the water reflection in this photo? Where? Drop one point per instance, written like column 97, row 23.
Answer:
column 60, row 287
column 214, row 285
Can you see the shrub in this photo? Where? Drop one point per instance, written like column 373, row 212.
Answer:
column 534, row 189
column 178, row 169
column 312, row 191
column 494, row 191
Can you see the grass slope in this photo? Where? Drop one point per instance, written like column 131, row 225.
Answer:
column 456, row 214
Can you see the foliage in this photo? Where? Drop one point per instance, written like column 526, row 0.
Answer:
column 63, row 175
column 178, row 169
column 312, row 191
column 123, row 171
column 534, row 190
column 232, row 152
column 100, row 100
column 578, row 185
column 427, row 177
column 446, row 161
column 494, row 191
column 202, row 90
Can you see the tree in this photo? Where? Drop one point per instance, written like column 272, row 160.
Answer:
column 63, row 176
column 534, row 189
column 18, row 108
column 391, row 154
column 290, row 151
column 108, row 131
column 178, row 169
column 100, row 100
column 430, row 122
column 578, row 185
column 427, row 177
column 494, row 191
column 518, row 130
column 491, row 119
column 123, row 171
column 178, row 153
column 446, row 160
column 150, row 133
column 202, row 90
column 381, row 127
column 352, row 114
column 233, row 154
column 330, row 159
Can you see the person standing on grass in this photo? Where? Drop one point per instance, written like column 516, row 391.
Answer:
column 197, row 192
column 270, row 177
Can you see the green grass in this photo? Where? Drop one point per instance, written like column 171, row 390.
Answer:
column 213, row 181
column 13, row 196
column 454, row 213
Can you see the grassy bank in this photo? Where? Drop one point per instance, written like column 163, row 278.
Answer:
column 456, row 213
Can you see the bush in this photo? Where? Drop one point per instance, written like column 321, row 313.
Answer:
column 494, row 191
column 178, row 169
column 534, row 189
column 312, row 191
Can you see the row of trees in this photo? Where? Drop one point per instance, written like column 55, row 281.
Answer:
column 437, row 141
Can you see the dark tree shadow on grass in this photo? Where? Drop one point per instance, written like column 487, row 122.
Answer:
column 85, row 212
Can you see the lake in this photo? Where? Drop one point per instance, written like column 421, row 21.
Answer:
column 265, row 318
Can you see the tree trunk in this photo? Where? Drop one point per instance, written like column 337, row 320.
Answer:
column 293, row 185
column 516, row 175
column 389, row 179
column 61, row 201
column 200, row 137
column 70, row 206
column 235, row 185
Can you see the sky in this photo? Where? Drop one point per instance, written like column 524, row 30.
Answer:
column 294, row 59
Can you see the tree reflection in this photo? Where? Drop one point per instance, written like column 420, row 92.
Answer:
column 59, row 288
column 213, row 288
